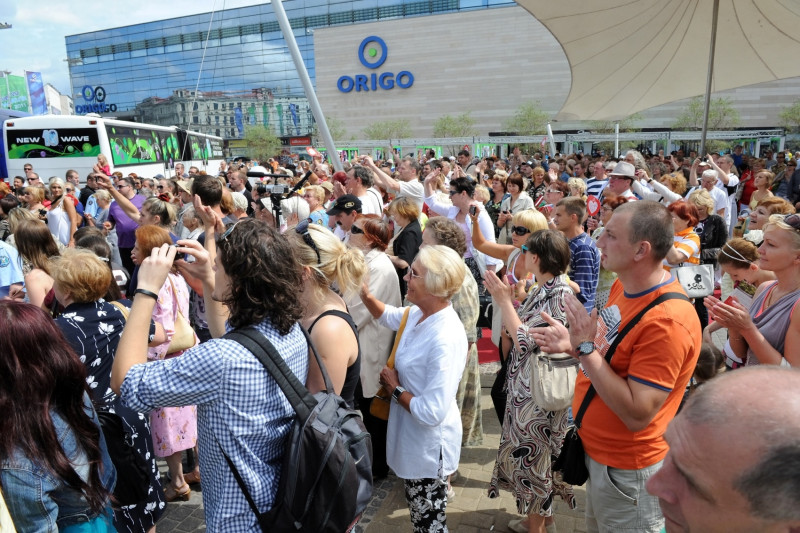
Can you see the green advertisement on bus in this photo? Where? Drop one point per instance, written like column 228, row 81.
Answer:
column 62, row 142
column 131, row 146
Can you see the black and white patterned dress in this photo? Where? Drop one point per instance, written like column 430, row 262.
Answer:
column 531, row 438
column 93, row 330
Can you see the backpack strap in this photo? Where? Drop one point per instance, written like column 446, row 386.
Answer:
column 629, row 326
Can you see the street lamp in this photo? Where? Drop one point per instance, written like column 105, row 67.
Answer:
column 6, row 74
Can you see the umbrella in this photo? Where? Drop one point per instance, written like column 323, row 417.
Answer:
column 630, row 55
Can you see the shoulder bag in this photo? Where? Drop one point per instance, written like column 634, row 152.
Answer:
column 184, row 337
column 379, row 407
column 696, row 280
column 553, row 378
column 571, row 461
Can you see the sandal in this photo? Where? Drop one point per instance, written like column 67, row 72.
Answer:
column 192, row 477
column 183, row 493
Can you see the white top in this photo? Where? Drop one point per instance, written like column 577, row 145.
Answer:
column 374, row 339
column 430, row 359
column 484, row 222
column 371, row 202
column 719, row 195
column 413, row 190
column 58, row 222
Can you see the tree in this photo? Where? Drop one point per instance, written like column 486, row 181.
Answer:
column 627, row 124
column 462, row 125
column 529, row 119
column 388, row 129
column 721, row 115
column 790, row 117
column 261, row 143
column 336, row 127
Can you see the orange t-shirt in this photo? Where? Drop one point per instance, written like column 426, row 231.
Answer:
column 661, row 351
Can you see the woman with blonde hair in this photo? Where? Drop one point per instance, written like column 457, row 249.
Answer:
column 424, row 434
column 62, row 219
column 763, row 184
column 314, row 195
column 102, row 167
column 407, row 241
column 769, row 331
column 33, row 199
column 326, row 262
column 713, row 234
column 577, row 187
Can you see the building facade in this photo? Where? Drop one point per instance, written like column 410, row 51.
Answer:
column 370, row 61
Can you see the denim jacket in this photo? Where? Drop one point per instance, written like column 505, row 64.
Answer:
column 37, row 499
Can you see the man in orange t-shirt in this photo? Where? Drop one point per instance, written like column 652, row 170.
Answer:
column 639, row 392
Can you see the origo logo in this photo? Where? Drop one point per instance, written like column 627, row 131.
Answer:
column 373, row 53
column 95, row 98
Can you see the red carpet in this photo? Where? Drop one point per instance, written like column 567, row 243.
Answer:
column 487, row 351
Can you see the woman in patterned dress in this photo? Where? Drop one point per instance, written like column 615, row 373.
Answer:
column 93, row 327
column 174, row 428
column 531, row 436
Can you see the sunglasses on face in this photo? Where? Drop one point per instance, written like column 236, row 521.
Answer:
column 356, row 230
column 520, row 230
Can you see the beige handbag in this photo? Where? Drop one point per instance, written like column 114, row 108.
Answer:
column 379, row 407
column 184, row 337
column 553, row 378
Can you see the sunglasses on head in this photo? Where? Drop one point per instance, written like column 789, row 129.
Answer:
column 228, row 231
column 302, row 230
column 792, row 220
column 520, row 230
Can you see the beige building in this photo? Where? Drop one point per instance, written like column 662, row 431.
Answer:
column 487, row 62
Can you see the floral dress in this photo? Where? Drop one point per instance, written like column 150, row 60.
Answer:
column 174, row 428
column 93, row 330
column 531, row 438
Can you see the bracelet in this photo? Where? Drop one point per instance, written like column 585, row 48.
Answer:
column 151, row 294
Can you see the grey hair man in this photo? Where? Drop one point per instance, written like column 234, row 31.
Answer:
column 734, row 461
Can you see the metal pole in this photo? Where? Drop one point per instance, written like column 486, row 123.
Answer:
column 616, row 139
column 552, row 141
column 286, row 29
column 709, row 77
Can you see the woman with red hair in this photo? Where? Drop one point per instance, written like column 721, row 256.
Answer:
column 686, row 247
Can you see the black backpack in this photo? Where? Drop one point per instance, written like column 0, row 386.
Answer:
column 326, row 474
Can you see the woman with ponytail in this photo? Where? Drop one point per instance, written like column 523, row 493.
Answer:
column 327, row 261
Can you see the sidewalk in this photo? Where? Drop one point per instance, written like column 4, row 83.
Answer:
column 472, row 510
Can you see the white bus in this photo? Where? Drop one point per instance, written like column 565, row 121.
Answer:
column 53, row 144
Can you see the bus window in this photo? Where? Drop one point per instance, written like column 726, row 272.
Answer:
column 131, row 146
column 62, row 142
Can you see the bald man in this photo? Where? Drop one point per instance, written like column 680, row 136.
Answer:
column 734, row 459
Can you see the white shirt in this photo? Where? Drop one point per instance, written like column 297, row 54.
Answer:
column 413, row 190
column 371, row 202
column 375, row 340
column 430, row 359
column 719, row 195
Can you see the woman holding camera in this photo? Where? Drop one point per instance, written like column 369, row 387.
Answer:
column 518, row 201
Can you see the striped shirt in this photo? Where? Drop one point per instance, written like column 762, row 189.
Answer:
column 584, row 268
column 594, row 187
column 688, row 243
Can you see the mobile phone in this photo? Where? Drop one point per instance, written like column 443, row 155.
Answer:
column 473, row 210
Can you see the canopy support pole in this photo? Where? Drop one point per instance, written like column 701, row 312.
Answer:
column 709, row 77
column 288, row 35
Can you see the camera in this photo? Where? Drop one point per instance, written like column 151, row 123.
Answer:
column 473, row 210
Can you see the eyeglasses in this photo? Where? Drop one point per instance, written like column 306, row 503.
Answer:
column 606, row 208
column 412, row 273
column 792, row 220
column 356, row 230
column 453, row 193
column 27, row 168
column 69, row 190
column 120, row 187
column 524, row 249
column 228, row 231
column 302, row 230
column 554, row 190
column 159, row 187
column 520, row 230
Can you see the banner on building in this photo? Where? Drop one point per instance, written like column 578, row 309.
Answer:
column 14, row 94
column 36, row 90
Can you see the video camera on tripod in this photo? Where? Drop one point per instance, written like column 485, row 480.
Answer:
column 278, row 192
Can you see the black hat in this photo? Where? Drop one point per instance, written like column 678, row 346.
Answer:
column 345, row 204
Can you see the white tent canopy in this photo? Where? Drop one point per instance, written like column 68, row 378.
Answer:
column 631, row 55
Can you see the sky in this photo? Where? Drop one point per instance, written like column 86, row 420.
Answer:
column 36, row 40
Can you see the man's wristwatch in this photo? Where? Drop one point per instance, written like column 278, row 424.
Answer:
column 397, row 392
column 585, row 348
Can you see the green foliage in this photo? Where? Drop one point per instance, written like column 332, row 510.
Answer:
column 721, row 115
column 790, row 117
column 388, row 129
column 261, row 143
column 529, row 119
column 336, row 127
column 462, row 125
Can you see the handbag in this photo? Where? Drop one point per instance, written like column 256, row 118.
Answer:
column 571, row 461
column 379, row 407
column 133, row 480
column 553, row 380
column 696, row 280
column 184, row 337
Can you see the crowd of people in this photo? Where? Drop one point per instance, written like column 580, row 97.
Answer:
column 132, row 283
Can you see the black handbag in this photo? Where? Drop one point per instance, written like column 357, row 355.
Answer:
column 133, row 479
column 571, row 461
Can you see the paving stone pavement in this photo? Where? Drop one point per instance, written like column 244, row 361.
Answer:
column 471, row 511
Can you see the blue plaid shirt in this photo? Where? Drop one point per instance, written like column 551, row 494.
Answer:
column 239, row 407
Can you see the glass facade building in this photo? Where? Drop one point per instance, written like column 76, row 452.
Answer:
column 217, row 72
